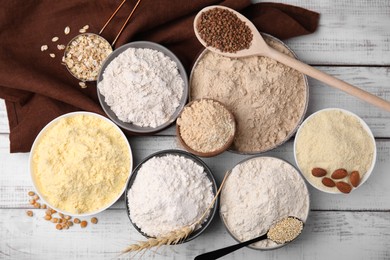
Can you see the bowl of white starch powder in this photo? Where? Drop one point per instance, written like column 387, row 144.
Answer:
column 259, row 192
column 142, row 87
column 169, row 190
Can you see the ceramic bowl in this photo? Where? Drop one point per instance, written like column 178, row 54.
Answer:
column 40, row 137
column 195, row 159
column 129, row 126
column 259, row 187
column 315, row 181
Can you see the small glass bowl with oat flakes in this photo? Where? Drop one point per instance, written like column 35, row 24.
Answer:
column 206, row 127
column 84, row 56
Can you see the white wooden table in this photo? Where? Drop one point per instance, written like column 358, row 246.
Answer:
column 352, row 43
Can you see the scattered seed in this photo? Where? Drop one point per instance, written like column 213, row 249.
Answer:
column 82, row 31
column 54, row 39
column 65, row 226
column 29, row 213
column 61, row 215
column 32, row 201
column 44, row 48
column 94, row 220
column 37, row 205
column 76, row 221
column 31, row 193
column 82, row 84
column 83, row 224
column 48, row 212
column 70, row 223
column 36, row 197
column 61, row 220
column 47, row 217
column 52, row 55
column 86, row 27
column 54, row 220
column 59, row 226
column 60, row 46
column 67, row 217
column 67, row 30
column 53, row 211
column 43, row 206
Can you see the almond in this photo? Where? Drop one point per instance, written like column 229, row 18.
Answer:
column 318, row 172
column 343, row 187
column 354, row 178
column 328, row 182
column 339, row 174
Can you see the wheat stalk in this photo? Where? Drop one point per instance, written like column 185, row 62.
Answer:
column 176, row 236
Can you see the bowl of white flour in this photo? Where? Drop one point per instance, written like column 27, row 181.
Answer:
column 169, row 190
column 142, row 87
column 259, row 192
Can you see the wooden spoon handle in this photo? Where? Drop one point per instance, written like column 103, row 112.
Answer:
column 326, row 78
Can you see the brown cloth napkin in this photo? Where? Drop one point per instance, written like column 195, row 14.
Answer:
column 37, row 88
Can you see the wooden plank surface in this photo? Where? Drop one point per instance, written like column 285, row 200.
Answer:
column 327, row 235
column 352, row 43
column 350, row 32
column 373, row 195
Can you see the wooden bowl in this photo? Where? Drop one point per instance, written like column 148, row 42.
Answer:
column 217, row 151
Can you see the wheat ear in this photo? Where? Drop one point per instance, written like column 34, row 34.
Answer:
column 176, row 236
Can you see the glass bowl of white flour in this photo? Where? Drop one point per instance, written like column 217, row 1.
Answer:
column 169, row 190
column 142, row 87
column 259, row 192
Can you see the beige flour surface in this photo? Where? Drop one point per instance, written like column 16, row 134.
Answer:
column 268, row 99
column 81, row 163
column 333, row 139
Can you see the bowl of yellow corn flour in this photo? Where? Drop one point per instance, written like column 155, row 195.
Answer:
column 80, row 163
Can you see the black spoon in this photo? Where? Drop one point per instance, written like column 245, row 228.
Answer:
column 226, row 250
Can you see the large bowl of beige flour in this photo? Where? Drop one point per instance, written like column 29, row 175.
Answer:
column 268, row 99
column 80, row 163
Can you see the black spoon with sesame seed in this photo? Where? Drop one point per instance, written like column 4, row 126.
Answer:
column 283, row 231
column 227, row 32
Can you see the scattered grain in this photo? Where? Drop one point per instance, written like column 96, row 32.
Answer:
column 37, row 205
column 59, row 226
column 82, row 31
column 36, row 197
column 76, row 221
column 31, row 193
column 94, row 220
column 44, row 47
column 52, row 55
column 86, row 27
column 32, row 201
column 82, row 84
column 67, row 30
column 47, row 217
column 54, row 220
column 60, row 46
column 43, row 206
column 70, row 223
column 67, row 217
column 83, row 224
column 54, row 39
column 29, row 213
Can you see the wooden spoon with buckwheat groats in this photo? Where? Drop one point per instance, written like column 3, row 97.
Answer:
column 227, row 32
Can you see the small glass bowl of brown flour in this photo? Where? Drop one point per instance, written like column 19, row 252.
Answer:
column 205, row 127
column 142, row 87
column 169, row 190
column 335, row 150
column 268, row 99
